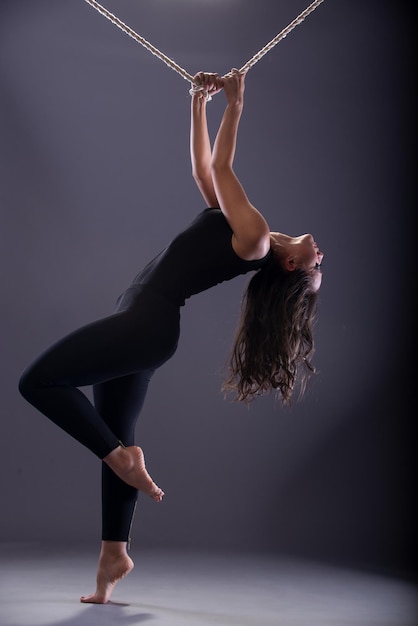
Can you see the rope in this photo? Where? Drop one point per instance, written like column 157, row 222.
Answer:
column 298, row 20
column 117, row 22
column 140, row 39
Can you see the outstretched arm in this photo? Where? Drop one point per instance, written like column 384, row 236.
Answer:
column 200, row 149
column 251, row 233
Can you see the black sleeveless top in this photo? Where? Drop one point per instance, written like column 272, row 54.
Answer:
column 200, row 257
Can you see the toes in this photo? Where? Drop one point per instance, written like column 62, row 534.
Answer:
column 158, row 495
column 93, row 599
column 87, row 599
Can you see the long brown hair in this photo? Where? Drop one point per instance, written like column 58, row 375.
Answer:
column 274, row 340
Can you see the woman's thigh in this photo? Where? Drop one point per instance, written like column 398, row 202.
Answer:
column 113, row 347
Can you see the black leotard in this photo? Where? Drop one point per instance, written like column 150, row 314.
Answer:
column 200, row 257
column 119, row 353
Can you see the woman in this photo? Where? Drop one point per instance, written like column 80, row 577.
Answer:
column 119, row 354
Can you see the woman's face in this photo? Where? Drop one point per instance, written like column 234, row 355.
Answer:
column 308, row 252
column 299, row 252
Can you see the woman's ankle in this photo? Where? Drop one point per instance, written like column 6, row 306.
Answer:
column 113, row 548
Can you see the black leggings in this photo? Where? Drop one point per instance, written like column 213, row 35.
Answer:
column 118, row 356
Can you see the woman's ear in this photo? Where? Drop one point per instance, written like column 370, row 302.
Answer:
column 290, row 263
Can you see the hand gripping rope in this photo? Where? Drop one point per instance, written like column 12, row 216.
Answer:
column 117, row 22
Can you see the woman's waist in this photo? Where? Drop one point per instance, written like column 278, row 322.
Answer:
column 143, row 294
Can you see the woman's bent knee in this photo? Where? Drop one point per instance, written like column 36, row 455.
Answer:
column 28, row 383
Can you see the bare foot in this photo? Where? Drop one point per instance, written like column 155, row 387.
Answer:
column 112, row 568
column 129, row 464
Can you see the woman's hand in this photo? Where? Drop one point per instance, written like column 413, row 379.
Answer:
column 234, row 86
column 208, row 82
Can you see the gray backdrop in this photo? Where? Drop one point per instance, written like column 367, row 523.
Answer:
column 95, row 179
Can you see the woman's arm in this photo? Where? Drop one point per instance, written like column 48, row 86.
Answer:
column 200, row 149
column 251, row 238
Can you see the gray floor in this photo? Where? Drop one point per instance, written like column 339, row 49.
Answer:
column 183, row 589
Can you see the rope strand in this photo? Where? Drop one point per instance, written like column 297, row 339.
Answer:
column 126, row 29
column 115, row 20
column 298, row 20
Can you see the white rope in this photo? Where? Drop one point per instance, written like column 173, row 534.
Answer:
column 140, row 39
column 298, row 20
